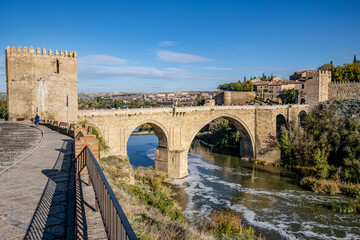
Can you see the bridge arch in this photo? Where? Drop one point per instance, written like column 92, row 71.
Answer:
column 301, row 117
column 161, row 153
column 247, row 142
column 280, row 124
column 159, row 129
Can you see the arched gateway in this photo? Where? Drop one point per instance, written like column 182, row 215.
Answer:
column 177, row 127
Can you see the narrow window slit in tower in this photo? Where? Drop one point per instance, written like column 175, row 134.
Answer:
column 57, row 66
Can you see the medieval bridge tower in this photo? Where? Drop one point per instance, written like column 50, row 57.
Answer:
column 40, row 83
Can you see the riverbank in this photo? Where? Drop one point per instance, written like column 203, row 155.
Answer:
column 210, row 141
column 142, row 133
column 148, row 202
column 331, row 186
column 151, row 215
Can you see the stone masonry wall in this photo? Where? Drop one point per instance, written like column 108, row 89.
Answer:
column 343, row 91
column 39, row 83
column 316, row 87
column 91, row 141
column 229, row 98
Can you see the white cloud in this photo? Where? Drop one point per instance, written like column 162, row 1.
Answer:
column 137, row 72
column 167, row 43
column 169, row 56
column 101, row 59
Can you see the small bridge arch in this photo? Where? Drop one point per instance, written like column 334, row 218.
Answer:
column 159, row 129
column 161, row 132
column 301, row 117
column 281, row 123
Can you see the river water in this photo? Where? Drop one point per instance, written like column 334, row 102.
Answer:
column 268, row 198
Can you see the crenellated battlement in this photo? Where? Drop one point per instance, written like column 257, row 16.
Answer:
column 345, row 83
column 20, row 52
column 317, row 72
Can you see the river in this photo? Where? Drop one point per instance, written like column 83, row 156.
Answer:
column 268, row 198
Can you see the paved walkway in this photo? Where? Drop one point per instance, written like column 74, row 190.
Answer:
column 14, row 144
column 35, row 193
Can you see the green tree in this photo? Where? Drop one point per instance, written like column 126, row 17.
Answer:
column 200, row 99
column 237, row 86
column 349, row 72
column 320, row 158
column 329, row 141
column 290, row 96
column 263, row 77
column 285, row 146
column 327, row 66
column 3, row 109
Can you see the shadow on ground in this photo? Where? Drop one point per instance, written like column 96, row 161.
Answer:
column 54, row 215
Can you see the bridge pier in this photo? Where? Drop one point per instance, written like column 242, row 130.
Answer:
column 172, row 162
column 178, row 162
column 161, row 159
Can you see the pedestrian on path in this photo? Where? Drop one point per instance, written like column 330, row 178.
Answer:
column 37, row 119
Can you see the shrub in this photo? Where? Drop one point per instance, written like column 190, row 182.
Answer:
column 321, row 185
column 157, row 200
column 227, row 225
column 349, row 207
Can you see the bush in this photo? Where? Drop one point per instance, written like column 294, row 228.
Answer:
column 353, row 191
column 227, row 225
column 349, row 207
column 321, row 185
column 158, row 200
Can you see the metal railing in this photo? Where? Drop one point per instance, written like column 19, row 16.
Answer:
column 116, row 224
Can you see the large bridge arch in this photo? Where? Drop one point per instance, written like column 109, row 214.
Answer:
column 159, row 129
column 247, row 143
column 161, row 153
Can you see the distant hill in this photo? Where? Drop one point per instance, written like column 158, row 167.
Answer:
column 113, row 95
column 2, row 95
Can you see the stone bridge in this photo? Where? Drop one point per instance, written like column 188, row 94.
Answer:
column 176, row 128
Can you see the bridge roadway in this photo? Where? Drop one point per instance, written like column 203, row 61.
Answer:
column 176, row 128
column 37, row 194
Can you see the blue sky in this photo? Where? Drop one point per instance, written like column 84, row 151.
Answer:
column 156, row 46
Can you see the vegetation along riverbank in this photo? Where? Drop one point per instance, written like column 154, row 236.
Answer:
column 148, row 203
column 325, row 149
column 220, row 136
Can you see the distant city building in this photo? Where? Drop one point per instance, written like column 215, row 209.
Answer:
column 299, row 75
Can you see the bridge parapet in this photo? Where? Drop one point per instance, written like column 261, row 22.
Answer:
column 132, row 111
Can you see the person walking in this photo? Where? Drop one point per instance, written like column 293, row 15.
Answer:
column 37, row 119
